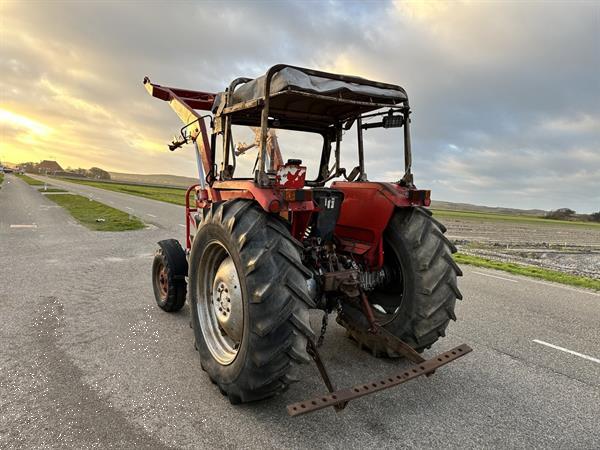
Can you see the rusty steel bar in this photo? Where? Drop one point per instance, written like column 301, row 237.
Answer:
column 399, row 345
column 360, row 390
column 314, row 353
column 393, row 341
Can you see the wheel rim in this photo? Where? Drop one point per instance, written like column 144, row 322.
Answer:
column 162, row 281
column 220, row 304
column 398, row 292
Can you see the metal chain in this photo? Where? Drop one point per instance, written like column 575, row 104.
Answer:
column 323, row 329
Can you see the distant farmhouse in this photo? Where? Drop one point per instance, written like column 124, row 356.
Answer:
column 48, row 167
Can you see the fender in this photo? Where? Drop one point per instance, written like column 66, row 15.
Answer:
column 176, row 258
column 366, row 210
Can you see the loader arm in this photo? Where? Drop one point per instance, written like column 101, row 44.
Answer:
column 186, row 104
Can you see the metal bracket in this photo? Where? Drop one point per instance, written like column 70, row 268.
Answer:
column 399, row 345
column 314, row 354
column 343, row 396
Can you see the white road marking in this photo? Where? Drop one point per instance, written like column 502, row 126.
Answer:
column 127, row 207
column 495, row 276
column 581, row 355
column 23, row 226
column 181, row 225
column 151, row 215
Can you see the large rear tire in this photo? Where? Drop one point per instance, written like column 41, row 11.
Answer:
column 249, row 301
column 418, row 302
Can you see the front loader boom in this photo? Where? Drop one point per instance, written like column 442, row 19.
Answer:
column 186, row 104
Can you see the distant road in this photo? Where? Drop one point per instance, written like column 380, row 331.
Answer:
column 127, row 182
column 164, row 215
column 88, row 359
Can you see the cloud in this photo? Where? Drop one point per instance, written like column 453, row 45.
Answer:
column 505, row 98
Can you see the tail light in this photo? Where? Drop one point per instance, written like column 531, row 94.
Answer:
column 297, row 195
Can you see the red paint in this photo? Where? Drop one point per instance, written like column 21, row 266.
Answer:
column 189, row 218
column 290, row 176
column 300, row 220
column 365, row 213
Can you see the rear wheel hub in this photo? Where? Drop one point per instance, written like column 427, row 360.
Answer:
column 227, row 300
column 221, row 307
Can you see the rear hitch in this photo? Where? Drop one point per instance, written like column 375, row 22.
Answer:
column 340, row 398
column 343, row 396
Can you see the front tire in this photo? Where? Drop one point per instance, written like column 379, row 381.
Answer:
column 417, row 304
column 169, row 293
column 249, row 301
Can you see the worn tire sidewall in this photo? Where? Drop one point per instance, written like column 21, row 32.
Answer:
column 401, row 323
column 208, row 233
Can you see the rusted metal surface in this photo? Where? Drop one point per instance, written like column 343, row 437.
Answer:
column 399, row 346
column 360, row 390
column 395, row 343
column 366, row 307
column 335, row 281
column 314, row 354
column 163, row 281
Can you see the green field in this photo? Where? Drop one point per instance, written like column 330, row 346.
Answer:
column 529, row 271
column 164, row 194
column 87, row 212
column 177, row 197
column 30, row 180
column 472, row 215
column 1, row 178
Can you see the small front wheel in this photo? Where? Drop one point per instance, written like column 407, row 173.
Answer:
column 168, row 292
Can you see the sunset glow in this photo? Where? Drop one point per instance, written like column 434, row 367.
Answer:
column 516, row 80
column 12, row 119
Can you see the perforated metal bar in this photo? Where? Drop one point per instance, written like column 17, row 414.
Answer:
column 360, row 390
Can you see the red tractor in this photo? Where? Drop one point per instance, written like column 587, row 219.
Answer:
column 262, row 251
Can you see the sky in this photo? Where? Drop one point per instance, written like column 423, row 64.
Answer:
column 505, row 94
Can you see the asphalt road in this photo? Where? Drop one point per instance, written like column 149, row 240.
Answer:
column 88, row 360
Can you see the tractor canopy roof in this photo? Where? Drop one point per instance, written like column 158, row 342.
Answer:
column 304, row 98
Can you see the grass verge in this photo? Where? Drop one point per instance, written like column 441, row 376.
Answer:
column 86, row 212
column 1, row 178
column 164, row 194
column 529, row 271
column 473, row 215
column 30, row 181
column 50, row 190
